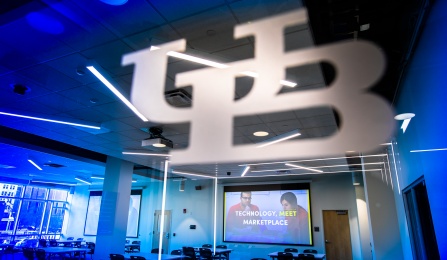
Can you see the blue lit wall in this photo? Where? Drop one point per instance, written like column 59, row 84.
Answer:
column 424, row 92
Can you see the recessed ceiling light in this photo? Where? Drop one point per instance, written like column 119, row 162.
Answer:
column 260, row 133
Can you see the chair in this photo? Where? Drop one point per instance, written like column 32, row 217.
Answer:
column 225, row 255
column 134, row 257
column 40, row 254
column 116, row 257
column 305, row 256
column 285, row 256
column 135, row 246
column 206, row 254
column 176, row 252
column 28, row 253
column 292, row 250
column 156, row 251
column 53, row 242
column 42, row 243
column 207, row 245
column 310, row 251
column 190, row 252
column 91, row 246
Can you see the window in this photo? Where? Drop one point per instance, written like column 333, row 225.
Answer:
column 39, row 214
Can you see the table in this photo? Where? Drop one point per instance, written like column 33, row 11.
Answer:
column 52, row 251
column 274, row 255
column 150, row 256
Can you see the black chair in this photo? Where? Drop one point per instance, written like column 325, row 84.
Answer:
column 91, row 246
column 310, row 251
column 28, row 253
column 207, row 245
column 135, row 246
column 53, row 242
column 285, row 256
column 42, row 243
column 224, row 255
column 292, row 250
column 189, row 252
column 206, row 254
column 116, row 257
column 156, row 251
column 134, row 257
column 176, row 252
column 305, row 256
column 40, row 254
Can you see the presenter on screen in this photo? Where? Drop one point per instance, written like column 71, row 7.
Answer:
column 240, row 214
column 297, row 219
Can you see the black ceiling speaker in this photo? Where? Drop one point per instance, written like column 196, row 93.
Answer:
column 20, row 89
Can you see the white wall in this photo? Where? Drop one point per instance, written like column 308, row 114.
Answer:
column 383, row 217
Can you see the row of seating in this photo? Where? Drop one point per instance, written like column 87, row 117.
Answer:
column 287, row 254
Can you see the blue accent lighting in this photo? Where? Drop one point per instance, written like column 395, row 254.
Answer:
column 44, row 23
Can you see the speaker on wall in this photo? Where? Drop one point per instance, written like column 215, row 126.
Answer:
column 198, row 187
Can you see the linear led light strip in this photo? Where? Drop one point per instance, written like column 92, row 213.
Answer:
column 428, row 150
column 194, row 174
column 312, row 168
column 311, row 160
column 280, row 138
column 245, row 171
column 116, row 92
column 49, row 120
column 147, row 154
column 295, row 174
column 302, row 167
column 34, row 164
column 54, row 182
column 218, row 65
column 83, row 180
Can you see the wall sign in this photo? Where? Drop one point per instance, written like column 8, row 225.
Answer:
column 367, row 118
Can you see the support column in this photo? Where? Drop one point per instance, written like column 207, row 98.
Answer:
column 112, row 225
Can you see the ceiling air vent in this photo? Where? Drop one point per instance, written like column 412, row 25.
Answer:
column 54, row 165
column 178, row 98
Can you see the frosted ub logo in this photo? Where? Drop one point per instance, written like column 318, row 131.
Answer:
column 366, row 118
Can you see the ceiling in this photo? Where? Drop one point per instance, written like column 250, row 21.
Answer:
column 45, row 46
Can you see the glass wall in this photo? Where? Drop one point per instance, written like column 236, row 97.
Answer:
column 31, row 212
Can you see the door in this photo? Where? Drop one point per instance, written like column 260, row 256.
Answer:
column 166, row 230
column 337, row 235
column 420, row 223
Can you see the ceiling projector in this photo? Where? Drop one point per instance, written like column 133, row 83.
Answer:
column 157, row 139
column 157, row 142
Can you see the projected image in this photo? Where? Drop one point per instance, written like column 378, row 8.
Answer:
column 279, row 216
column 93, row 210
